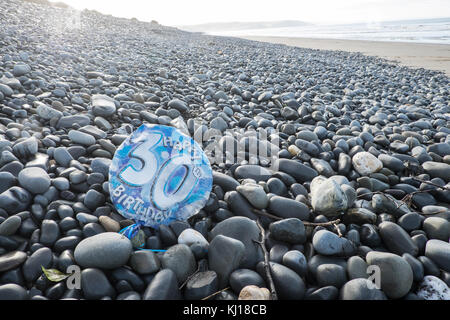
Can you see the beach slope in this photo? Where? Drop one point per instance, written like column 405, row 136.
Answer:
column 415, row 55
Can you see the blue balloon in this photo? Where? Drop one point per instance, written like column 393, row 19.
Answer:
column 159, row 175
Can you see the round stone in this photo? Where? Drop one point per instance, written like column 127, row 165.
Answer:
column 144, row 262
column 396, row 274
column 361, row 289
column 437, row 228
column 190, row 236
column 34, row 179
column 366, row 163
column 95, row 285
column 255, row 194
column 241, row 278
column 10, row 226
column 290, row 230
column 180, row 259
column 296, row 261
column 439, row 252
column 106, row 250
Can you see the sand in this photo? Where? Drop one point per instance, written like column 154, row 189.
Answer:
column 415, row 55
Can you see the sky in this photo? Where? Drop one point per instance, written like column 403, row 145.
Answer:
column 191, row 12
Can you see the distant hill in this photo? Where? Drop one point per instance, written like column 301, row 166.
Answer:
column 233, row 26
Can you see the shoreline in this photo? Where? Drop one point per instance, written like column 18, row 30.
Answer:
column 411, row 54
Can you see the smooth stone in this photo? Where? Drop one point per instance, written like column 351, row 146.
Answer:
column 288, row 208
column 95, row 285
column 322, row 167
column 297, row 170
column 109, row 224
column 416, row 267
column 144, row 262
column 106, row 250
column 252, row 292
column 34, row 179
column 7, row 180
column 437, row 170
column 441, row 149
column 359, row 216
column 103, row 105
column 224, row 256
column 315, row 261
column 21, row 69
column 331, row 275
column 26, row 148
column 439, row 252
column 391, row 162
column 178, row 104
column 239, row 205
column 31, row 268
column 12, row 291
column 49, row 232
column 81, row 138
column 164, row 286
column 246, row 231
column 62, row 156
column 366, row 163
column 277, row 186
column 10, row 226
column 101, row 165
column 396, row 239
column 93, row 199
column 291, row 230
column 436, row 228
column 433, row 288
column 288, row 284
column 296, row 261
column 12, row 260
column 277, row 252
column 255, row 194
column 227, row 182
column 324, row 293
column 254, row 172
column 357, row 268
column 328, row 243
column 410, row 221
column 361, row 289
column 190, row 236
column 68, row 121
column 241, row 278
column 46, row 112
column 180, row 259
column 327, row 197
column 396, row 274
column 201, row 285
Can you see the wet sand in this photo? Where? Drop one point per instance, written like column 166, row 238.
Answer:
column 415, row 55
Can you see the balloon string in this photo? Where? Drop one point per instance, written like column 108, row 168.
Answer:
column 131, row 231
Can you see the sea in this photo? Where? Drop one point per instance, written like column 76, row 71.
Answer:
column 419, row 30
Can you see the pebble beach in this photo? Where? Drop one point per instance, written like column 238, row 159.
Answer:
column 360, row 177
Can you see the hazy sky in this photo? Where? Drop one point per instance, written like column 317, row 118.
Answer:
column 187, row 12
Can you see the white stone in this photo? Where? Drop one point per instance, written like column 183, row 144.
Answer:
column 327, row 197
column 366, row 163
column 190, row 236
column 252, row 292
column 433, row 288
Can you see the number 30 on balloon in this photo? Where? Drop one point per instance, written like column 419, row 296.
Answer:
column 159, row 175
